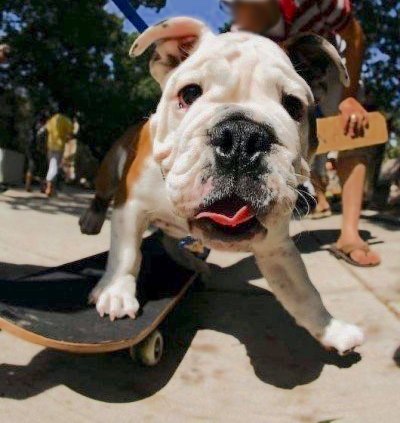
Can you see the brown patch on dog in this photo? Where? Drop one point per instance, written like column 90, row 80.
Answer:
column 140, row 149
column 172, row 61
column 156, row 57
column 108, row 177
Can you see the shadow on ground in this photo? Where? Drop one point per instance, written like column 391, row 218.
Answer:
column 320, row 239
column 281, row 353
column 68, row 202
column 389, row 220
column 396, row 356
column 10, row 271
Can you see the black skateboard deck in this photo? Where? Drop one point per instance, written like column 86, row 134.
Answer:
column 51, row 309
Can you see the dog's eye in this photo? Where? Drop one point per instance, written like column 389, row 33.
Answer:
column 293, row 106
column 188, row 95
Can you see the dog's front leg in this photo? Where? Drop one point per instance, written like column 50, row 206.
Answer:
column 281, row 264
column 115, row 294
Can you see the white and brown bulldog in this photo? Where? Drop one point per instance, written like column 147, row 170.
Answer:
column 220, row 160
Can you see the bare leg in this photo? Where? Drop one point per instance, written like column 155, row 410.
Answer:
column 319, row 181
column 352, row 171
column 54, row 165
column 28, row 181
column 320, row 187
column 50, row 190
column 108, row 177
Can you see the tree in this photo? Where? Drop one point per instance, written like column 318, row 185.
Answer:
column 380, row 21
column 72, row 55
column 155, row 4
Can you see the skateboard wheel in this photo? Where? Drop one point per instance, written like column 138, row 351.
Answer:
column 150, row 351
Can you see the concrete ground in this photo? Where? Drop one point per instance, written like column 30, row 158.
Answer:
column 233, row 354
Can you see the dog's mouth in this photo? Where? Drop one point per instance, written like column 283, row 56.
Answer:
column 229, row 218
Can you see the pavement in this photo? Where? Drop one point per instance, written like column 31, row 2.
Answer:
column 233, row 354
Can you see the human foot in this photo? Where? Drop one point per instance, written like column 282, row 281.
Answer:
column 356, row 252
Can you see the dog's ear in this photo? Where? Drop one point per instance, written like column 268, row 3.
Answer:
column 174, row 39
column 318, row 62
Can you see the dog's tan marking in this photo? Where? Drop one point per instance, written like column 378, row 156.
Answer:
column 105, row 180
column 140, row 149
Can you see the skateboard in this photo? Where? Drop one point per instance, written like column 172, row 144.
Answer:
column 50, row 308
column 331, row 138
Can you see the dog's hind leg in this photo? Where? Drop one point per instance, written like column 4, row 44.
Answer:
column 108, row 177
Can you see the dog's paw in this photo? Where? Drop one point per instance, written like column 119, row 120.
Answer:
column 116, row 298
column 92, row 221
column 342, row 337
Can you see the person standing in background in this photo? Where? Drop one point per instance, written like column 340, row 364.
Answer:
column 35, row 143
column 69, row 158
column 59, row 130
column 281, row 19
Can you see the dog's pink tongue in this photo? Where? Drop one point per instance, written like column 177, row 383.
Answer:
column 241, row 216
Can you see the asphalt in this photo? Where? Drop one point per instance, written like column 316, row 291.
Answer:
column 233, row 354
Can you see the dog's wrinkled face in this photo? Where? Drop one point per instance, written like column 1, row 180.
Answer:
column 232, row 130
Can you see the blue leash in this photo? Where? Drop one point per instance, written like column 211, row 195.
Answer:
column 130, row 13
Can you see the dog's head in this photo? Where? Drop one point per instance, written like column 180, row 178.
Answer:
column 235, row 128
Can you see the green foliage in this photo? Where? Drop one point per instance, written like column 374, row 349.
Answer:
column 72, row 55
column 380, row 21
column 156, row 4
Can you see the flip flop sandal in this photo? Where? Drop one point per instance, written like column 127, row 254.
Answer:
column 320, row 214
column 344, row 253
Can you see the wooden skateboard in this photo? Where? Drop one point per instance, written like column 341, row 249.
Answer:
column 331, row 138
column 50, row 308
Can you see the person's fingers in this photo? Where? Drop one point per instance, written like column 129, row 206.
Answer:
column 365, row 120
column 362, row 124
column 345, row 123
column 353, row 130
column 361, row 129
column 357, row 125
column 352, row 125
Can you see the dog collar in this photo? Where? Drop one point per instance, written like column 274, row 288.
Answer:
column 195, row 247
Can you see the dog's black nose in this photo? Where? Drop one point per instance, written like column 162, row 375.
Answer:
column 240, row 142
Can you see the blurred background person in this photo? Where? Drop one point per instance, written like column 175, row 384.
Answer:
column 60, row 130
column 35, row 144
column 69, row 157
column 281, row 19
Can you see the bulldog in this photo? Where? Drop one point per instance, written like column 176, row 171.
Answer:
column 219, row 160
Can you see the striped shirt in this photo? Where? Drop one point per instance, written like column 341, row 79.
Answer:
column 323, row 17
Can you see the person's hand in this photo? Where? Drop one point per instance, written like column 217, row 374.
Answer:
column 354, row 117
